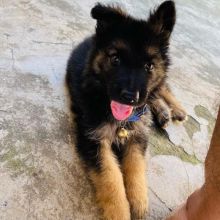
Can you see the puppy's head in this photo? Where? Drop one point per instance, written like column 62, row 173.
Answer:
column 131, row 55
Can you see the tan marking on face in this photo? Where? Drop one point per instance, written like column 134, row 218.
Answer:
column 101, row 61
column 109, row 186
column 134, row 170
column 116, row 46
column 151, row 50
column 112, row 51
column 97, row 62
column 120, row 44
column 157, row 74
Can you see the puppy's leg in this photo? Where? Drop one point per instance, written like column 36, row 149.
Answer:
column 109, row 186
column 134, row 170
column 177, row 111
column 161, row 111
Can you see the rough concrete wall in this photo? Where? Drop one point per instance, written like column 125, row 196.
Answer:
column 40, row 174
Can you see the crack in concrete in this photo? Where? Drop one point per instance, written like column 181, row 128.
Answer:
column 12, row 58
column 160, row 200
column 7, row 35
column 47, row 42
column 11, row 50
column 188, row 182
column 3, row 110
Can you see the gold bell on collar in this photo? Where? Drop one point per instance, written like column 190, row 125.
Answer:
column 122, row 133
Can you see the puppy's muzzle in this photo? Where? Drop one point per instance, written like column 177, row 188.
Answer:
column 129, row 96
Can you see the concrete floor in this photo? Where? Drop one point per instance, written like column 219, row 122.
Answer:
column 41, row 177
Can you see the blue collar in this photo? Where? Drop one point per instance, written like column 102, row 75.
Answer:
column 138, row 113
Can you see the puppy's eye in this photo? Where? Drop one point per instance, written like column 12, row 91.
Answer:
column 148, row 67
column 115, row 61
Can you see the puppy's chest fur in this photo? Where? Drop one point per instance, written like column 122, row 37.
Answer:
column 110, row 131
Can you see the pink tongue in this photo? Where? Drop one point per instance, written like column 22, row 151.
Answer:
column 121, row 111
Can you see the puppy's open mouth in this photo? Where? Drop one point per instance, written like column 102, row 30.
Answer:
column 121, row 111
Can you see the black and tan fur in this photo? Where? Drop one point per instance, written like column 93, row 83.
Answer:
column 125, row 54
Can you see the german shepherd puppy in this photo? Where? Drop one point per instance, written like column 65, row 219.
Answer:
column 115, row 77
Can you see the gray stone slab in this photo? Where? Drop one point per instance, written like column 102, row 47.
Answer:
column 41, row 175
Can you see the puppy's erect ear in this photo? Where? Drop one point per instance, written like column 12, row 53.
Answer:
column 106, row 16
column 162, row 20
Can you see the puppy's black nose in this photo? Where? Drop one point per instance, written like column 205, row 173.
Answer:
column 129, row 96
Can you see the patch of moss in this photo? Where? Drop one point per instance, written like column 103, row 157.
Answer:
column 19, row 166
column 10, row 154
column 161, row 145
column 16, row 164
column 191, row 126
column 203, row 112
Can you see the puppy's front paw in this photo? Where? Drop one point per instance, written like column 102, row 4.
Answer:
column 163, row 118
column 116, row 211
column 178, row 114
column 139, row 208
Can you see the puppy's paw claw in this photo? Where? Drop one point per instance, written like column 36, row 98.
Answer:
column 179, row 115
